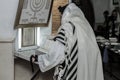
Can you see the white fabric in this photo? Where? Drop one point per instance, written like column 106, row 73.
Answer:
column 69, row 43
column 52, row 58
column 89, row 58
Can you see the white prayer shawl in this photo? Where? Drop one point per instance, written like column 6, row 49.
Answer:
column 68, row 69
column 89, row 58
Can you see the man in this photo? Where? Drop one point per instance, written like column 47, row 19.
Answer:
column 74, row 52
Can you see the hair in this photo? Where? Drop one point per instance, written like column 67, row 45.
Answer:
column 106, row 12
column 62, row 8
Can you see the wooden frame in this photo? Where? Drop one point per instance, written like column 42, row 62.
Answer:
column 33, row 13
column 28, row 37
column 115, row 2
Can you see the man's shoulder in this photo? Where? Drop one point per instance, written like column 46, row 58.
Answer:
column 66, row 25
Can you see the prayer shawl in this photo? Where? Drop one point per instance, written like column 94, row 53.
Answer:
column 88, row 65
column 68, row 69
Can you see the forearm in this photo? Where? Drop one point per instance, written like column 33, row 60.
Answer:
column 53, row 58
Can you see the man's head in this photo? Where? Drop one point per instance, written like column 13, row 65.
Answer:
column 106, row 13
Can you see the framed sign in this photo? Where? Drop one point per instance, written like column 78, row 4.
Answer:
column 32, row 13
column 28, row 37
column 115, row 2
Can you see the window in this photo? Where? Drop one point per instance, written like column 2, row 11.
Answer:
column 20, row 40
column 41, row 33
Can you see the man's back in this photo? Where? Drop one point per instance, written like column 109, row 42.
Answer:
column 89, row 58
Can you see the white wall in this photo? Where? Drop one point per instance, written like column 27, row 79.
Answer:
column 7, row 16
column 6, row 62
column 99, row 7
column 8, row 10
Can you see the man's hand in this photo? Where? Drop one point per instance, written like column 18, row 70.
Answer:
column 34, row 58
